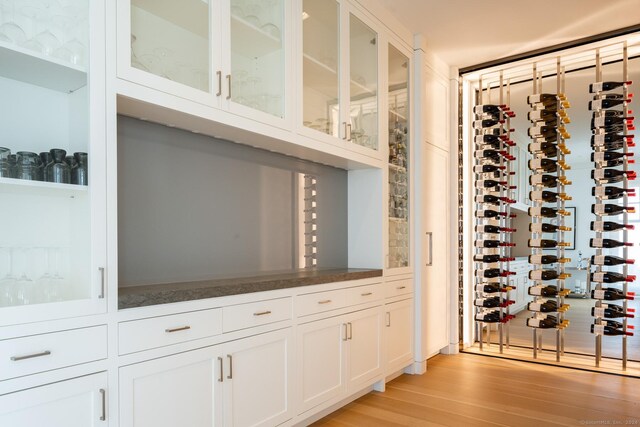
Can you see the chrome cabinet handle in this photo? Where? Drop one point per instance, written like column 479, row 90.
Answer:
column 182, row 328
column 219, row 74
column 229, row 83
column 349, row 128
column 388, row 319
column 103, row 398
column 326, row 301
column 221, row 377
column 350, row 330
column 262, row 313
column 101, row 269
column 401, row 287
column 230, row 376
column 30, row 356
column 430, row 262
column 366, row 294
column 346, row 335
column 345, row 131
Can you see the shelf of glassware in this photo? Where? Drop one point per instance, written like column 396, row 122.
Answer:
column 39, row 188
column 31, row 67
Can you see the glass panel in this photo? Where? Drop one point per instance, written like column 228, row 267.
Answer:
column 398, row 159
column 45, row 249
column 171, row 39
column 363, row 52
column 321, row 62
column 257, row 54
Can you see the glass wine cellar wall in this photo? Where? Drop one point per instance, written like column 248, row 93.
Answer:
column 552, row 243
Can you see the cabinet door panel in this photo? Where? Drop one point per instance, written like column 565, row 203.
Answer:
column 171, row 391
column 259, row 387
column 365, row 339
column 71, row 403
column 399, row 330
column 320, row 364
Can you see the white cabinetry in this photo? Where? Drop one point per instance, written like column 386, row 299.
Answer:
column 79, row 402
column 521, row 282
column 241, row 383
column 398, row 335
column 338, row 355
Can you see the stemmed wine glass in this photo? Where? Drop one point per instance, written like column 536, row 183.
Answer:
column 7, row 282
column 10, row 31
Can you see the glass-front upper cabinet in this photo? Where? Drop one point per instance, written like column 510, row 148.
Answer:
column 339, row 74
column 169, row 45
column 257, row 54
column 52, row 159
column 398, row 119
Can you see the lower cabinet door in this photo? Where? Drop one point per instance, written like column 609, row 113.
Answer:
column 79, row 402
column 399, row 334
column 320, row 347
column 180, row 390
column 258, row 380
column 364, row 361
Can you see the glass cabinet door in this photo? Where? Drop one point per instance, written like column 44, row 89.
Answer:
column 258, row 54
column 171, row 40
column 398, row 94
column 51, row 162
column 321, row 66
column 363, row 84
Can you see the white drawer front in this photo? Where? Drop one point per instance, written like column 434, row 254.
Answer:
column 255, row 314
column 398, row 287
column 364, row 294
column 320, row 302
column 39, row 353
column 144, row 334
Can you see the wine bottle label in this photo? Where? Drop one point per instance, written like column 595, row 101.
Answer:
column 596, row 87
column 599, row 209
column 598, row 311
column 597, row 243
column 598, row 329
column 533, row 322
column 599, row 259
column 598, row 277
column 479, row 302
column 534, row 306
column 599, row 122
column 598, row 294
column 535, row 290
column 535, row 195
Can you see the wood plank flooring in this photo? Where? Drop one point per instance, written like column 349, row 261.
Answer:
column 471, row 390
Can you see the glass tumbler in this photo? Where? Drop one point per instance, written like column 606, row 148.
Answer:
column 27, row 166
column 58, row 170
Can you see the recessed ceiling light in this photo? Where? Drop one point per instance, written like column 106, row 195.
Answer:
column 305, row 15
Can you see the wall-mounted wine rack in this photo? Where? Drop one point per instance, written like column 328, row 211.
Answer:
column 610, row 142
column 494, row 175
column 548, row 117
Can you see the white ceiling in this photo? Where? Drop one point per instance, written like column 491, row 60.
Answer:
column 469, row 32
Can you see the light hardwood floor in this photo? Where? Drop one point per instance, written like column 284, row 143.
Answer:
column 471, row 390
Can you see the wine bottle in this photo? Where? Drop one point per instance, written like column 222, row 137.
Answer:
column 609, row 137
column 607, row 243
column 487, row 168
column 606, row 103
column 548, row 323
column 489, row 108
column 608, row 155
column 545, row 98
column 608, row 96
column 549, row 306
column 486, row 123
column 536, row 131
column 545, row 275
column 489, row 183
column 610, row 323
column 610, row 294
column 611, row 277
column 490, row 317
column 607, row 330
column 541, row 227
column 493, row 229
column 546, row 259
column 609, row 209
column 545, row 243
column 542, row 115
column 609, row 146
column 491, row 302
column 611, row 175
column 542, row 212
column 610, row 193
column 547, row 165
column 610, row 311
column 605, row 121
column 488, row 154
column 610, row 260
column 489, row 273
column 489, row 259
column 543, row 291
column 490, row 288
column 491, row 244
column 490, row 213
column 549, row 149
column 544, row 180
column 547, row 196
column 609, row 226
column 612, row 163
column 606, row 86
column 488, row 199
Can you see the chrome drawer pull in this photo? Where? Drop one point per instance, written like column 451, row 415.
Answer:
column 103, row 398
column 221, row 378
column 366, row 294
column 326, row 301
column 183, row 328
column 262, row 313
column 401, row 287
column 30, row 356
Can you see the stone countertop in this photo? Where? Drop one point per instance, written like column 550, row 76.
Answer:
column 146, row 295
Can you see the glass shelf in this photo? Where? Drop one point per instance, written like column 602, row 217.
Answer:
column 40, row 70
column 252, row 41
